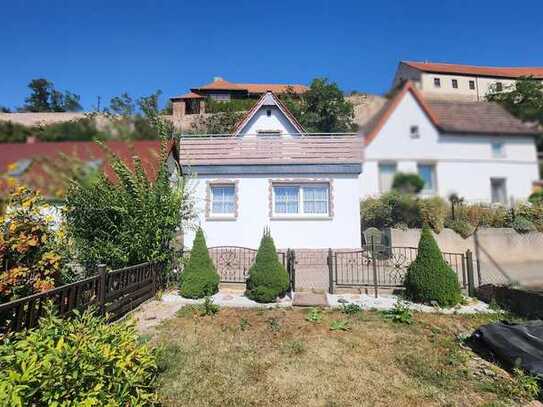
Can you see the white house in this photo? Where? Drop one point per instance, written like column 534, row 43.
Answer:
column 269, row 173
column 475, row 149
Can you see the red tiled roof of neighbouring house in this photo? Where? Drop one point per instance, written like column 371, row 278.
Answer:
column 221, row 84
column 500, row 72
column 189, row 95
column 42, row 154
column 454, row 117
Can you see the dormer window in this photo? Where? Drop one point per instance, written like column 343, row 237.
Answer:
column 414, row 132
column 265, row 132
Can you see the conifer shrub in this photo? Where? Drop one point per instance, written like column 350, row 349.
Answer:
column 429, row 278
column 200, row 279
column 267, row 276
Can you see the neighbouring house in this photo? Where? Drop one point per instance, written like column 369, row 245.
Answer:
column 194, row 102
column 268, row 173
column 460, row 82
column 475, row 149
column 44, row 166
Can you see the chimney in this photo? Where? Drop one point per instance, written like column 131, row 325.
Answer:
column 31, row 139
column 217, row 78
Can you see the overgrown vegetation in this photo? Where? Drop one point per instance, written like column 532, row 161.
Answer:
column 44, row 97
column 30, row 258
column 267, row 276
column 81, row 361
column 129, row 220
column 429, row 278
column 397, row 210
column 407, row 183
column 199, row 279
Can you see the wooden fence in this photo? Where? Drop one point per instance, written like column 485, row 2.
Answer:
column 112, row 293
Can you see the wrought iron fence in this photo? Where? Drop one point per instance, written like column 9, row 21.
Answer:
column 382, row 266
column 112, row 293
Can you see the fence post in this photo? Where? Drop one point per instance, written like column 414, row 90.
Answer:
column 291, row 258
column 471, row 282
column 330, row 272
column 101, row 288
column 374, row 266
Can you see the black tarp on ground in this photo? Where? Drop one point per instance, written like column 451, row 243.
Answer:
column 515, row 345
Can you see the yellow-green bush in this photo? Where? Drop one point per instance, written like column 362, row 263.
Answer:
column 78, row 362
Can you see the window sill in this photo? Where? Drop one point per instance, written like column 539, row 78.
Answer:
column 307, row 218
column 221, row 218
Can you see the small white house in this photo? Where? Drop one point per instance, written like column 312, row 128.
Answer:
column 474, row 149
column 269, row 173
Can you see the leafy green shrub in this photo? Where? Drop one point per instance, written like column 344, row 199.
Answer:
column 339, row 325
column 400, row 314
column 77, row 362
column 200, row 279
column 232, row 105
column 433, row 212
column 208, row 307
column 523, row 225
column 267, row 276
column 536, row 198
column 314, row 315
column 460, row 226
column 429, row 277
column 407, row 183
column 351, row 308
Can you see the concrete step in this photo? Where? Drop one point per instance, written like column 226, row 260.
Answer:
column 310, row 299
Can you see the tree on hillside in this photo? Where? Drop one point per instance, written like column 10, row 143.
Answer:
column 45, row 98
column 322, row 108
column 122, row 105
column 523, row 99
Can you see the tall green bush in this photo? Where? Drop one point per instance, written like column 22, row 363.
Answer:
column 77, row 362
column 407, row 183
column 199, row 279
column 128, row 219
column 429, row 278
column 267, row 276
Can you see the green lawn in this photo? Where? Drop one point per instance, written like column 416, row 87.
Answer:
column 277, row 357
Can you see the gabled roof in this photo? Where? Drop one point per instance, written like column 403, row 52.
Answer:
column 268, row 99
column 189, row 95
column 501, row 72
column 219, row 84
column 454, row 117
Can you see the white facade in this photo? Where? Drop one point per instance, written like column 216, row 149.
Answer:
column 340, row 228
column 464, row 164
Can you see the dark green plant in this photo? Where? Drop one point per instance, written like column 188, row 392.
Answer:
column 267, row 276
column 232, row 105
column 208, row 307
column 536, row 198
column 127, row 220
column 314, row 315
column 74, row 130
column 199, row 279
column 429, row 278
column 45, row 98
column 218, row 123
column 400, row 314
column 351, row 308
column 407, row 183
column 81, row 361
column 13, row 132
column 460, row 226
column 523, row 225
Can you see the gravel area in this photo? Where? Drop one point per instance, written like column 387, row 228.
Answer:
column 387, row 302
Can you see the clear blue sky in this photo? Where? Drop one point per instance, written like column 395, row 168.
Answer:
column 105, row 47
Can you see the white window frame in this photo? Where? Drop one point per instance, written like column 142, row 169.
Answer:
column 301, row 186
column 382, row 164
column 213, row 214
column 432, row 191
column 500, row 152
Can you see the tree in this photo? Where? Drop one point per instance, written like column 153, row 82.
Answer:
column 267, row 276
column 523, row 99
column 45, row 98
column 200, row 279
column 5, row 109
column 322, row 109
column 429, row 278
column 122, row 105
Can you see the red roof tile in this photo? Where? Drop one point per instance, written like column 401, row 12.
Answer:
column 501, row 72
column 221, row 84
column 189, row 95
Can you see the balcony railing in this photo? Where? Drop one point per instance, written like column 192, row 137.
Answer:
column 330, row 148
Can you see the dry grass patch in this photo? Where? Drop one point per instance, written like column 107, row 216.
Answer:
column 277, row 357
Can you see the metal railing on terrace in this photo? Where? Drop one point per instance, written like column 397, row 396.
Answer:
column 302, row 148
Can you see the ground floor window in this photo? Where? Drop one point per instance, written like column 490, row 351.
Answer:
column 428, row 174
column 301, row 199
column 498, row 190
column 386, row 176
column 223, row 199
